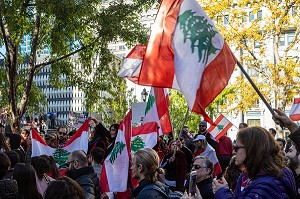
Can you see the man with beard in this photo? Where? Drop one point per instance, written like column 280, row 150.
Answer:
column 203, row 131
column 281, row 118
column 62, row 136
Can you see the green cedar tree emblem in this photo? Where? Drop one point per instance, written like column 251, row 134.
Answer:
column 220, row 127
column 150, row 102
column 200, row 32
column 117, row 149
column 137, row 143
column 61, row 156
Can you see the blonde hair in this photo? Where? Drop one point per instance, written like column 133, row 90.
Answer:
column 149, row 160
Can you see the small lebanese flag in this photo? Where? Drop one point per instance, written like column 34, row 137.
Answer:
column 157, row 110
column 114, row 174
column 131, row 66
column 211, row 154
column 187, row 53
column 295, row 111
column 79, row 141
column 222, row 126
column 144, row 136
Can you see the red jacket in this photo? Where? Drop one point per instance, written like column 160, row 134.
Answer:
column 224, row 147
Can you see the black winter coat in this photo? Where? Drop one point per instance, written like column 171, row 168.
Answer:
column 8, row 189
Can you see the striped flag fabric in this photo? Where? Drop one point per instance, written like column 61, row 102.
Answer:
column 114, row 174
column 211, row 154
column 157, row 110
column 144, row 136
column 295, row 110
column 79, row 141
column 221, row 127
column 132, row 63
column 186, row 52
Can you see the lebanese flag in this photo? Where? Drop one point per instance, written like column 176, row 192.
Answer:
column 222, row 126
column 211, row 154
column 79, row 141
column 157, row 110
column 132, row 63
column 144, row 136
column 187, row 53
column 114, row 174
column 295, row 111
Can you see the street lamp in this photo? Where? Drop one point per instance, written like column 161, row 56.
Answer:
column 144, row 95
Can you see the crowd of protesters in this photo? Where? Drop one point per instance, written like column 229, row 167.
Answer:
column 255, row 165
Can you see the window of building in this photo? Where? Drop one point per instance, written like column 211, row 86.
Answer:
column 290, row 37
column 226, row 19
column 251, row 16
column 281, row 40
column 253, row 122
column 259, row 14
column 256, row 44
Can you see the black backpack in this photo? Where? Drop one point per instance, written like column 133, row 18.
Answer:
column 165, row 190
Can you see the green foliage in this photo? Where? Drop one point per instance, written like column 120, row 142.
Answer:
column 275, row 67
column 77, row 34
column 178, row 108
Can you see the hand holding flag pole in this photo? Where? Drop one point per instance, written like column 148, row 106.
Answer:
column 258, row 92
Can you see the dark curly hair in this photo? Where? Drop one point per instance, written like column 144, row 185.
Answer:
column 41, row 166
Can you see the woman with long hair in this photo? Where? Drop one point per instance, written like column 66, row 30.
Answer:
column 113, row 131
column 174, row 164
column 24, row 174
column 265, row 174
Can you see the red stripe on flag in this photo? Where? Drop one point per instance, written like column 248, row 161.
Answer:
column 223, row 131
column 218, row 120
column 127, row 130
column 214, row 79
column 103, row 180
column 137, row 52
column 35, row 135
column 296, row 100
column 158, row 62
column 162, row 110
column 78, row 133
column 145, row 129
column 295, row 117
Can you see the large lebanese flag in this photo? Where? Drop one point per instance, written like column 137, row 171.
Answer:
column 295, row 111
column 132, row 63
column 144, row 136
column 114, row 174
column 157, row 110
column 222, row 126
column 79, row 141
column 187, row 53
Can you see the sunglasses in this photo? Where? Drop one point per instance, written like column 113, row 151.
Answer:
column 202, row 126
column 62, row 133
column 69, row 163
column 197, row 167
column 237, row 147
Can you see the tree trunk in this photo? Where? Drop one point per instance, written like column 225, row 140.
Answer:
column 14, row 121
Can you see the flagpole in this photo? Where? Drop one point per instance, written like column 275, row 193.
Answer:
column 258, row 91
column 184, row 121
column 255, row 88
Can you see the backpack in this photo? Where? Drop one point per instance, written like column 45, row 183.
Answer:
column 164, row 190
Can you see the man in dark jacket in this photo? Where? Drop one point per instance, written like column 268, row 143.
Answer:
column 203, row 131
column 293, row 154
column 83, row 174
column 204, row 168
column 8, row 187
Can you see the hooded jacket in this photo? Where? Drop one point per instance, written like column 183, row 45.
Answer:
column 264, row 186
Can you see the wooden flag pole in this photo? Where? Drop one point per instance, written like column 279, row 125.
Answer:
column 184, row 121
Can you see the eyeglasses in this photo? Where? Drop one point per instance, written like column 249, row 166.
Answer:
column 237, row 147
column 197, row 167
column 62, row 133
column 69, row 163
column 202, row 126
